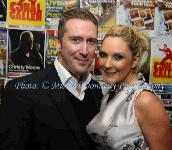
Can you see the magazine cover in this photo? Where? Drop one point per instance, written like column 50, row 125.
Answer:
column 163, row 18
column 161, row 60
column 138, row 13
column 107, row 18
column 164, row 92
column 93, row 6
column 3, row 12
column 52, row 47
column 25, row 52
column 104, row 11
column 54, row 9
column 3, row 51
column 26, row 12
column 70, row 4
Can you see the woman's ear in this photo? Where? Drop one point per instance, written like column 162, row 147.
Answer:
column 135, row 61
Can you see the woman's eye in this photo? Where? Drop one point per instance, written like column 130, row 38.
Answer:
column 118, row 57
column 102, row 54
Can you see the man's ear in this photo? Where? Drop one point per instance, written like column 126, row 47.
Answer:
column 58, row 45
column 135, row 60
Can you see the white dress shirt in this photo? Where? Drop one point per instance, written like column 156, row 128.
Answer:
column 70, row 82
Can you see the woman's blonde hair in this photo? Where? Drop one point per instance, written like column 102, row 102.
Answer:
column 137, row 41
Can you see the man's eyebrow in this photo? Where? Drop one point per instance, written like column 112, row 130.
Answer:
column 80, row 37
column 92, row 40
column 73, row 36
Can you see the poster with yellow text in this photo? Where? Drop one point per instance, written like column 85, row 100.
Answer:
column 26, row 12
column 161, row 60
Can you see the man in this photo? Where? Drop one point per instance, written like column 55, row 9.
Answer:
column 25, row 54
column 60, row 100
column 167, row 52
column 122, row 15
column 159, row 22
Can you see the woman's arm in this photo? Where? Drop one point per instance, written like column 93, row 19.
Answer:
column 154, row 121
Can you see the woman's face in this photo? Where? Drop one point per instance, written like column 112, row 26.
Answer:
column 116, row 60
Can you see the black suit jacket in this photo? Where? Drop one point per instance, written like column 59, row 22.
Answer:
column 35, row 114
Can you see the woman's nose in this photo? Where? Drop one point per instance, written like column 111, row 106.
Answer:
column 108, row 63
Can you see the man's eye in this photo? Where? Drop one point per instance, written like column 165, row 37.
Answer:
column 91, row 42
column 102, row 55
column 76, row 40
column 118, row 57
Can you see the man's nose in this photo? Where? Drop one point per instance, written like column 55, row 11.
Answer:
column 84, row 49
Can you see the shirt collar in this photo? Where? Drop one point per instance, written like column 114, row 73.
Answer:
column 68, row 80
column 62, row 72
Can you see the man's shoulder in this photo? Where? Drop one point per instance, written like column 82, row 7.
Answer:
column 15, row 51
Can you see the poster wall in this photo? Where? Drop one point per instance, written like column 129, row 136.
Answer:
column 34, row 24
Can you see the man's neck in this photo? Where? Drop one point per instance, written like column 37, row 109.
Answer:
column 78, row 77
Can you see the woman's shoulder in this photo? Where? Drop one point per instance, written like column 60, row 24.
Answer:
column 149, row 104
column 145, row 95
column 138, row 87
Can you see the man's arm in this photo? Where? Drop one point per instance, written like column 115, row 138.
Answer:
column 15, row 120
column 161, row 49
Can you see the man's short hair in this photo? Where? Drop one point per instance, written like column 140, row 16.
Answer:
column 78, row 13
column 24, row 33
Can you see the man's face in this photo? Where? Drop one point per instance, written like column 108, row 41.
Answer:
column 160, row 5
column 78, row 46
column 27, row 41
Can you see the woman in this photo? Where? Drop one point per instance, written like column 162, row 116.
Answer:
column 131, row 116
